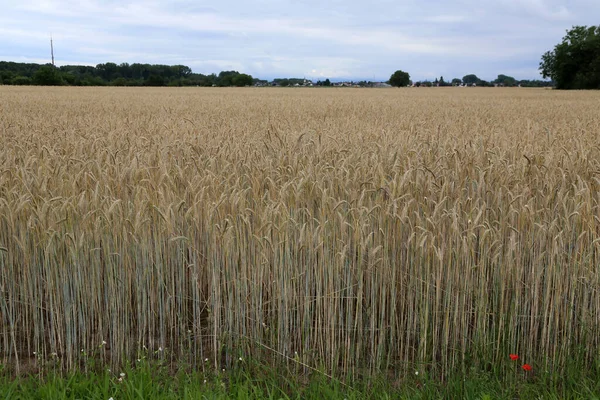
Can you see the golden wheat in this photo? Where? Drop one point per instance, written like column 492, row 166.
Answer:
column 356, row 230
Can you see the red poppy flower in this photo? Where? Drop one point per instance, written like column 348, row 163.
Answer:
column 527, row 367
column 514, row 357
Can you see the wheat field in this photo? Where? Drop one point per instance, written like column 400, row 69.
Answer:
column 350, row 230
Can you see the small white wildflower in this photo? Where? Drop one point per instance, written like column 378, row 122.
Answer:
column 205, row 381
column 416, row 372
column 120, row 379
column 122, row 374
column 108, row 370
column 139, row 360
column 54, row 355
column 160, row 349
column 34, row 353
column 189, row 331
column 103, row 343
column 111, row 399
column 223, row 370
column 241, row 359
column 206, row 360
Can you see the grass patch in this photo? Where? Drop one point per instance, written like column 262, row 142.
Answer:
column 148, row 382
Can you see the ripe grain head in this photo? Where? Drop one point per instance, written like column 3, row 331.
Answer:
column 362, row 229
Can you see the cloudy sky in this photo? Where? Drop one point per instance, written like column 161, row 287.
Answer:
column 339, row 39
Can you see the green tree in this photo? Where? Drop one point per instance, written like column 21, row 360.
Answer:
column 225, row 78
column 6, row 77
column 21, row 80
column 68, row 78
column 471, row 79
column 575, row 62
column 289, row 81
column 399, row 78
column 535, row 83
column 47, row 75
column 456, row 82
column 92, row 81
column 505, row 80
column 119, row 82
column 181, row 71
column 155, row 80
column 107, row 71
column 242, row 80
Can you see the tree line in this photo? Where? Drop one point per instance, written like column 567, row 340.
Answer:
column 12, row 73
column 574, row 63
column 401, row 78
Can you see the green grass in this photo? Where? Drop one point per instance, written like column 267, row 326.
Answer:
column 260, row 382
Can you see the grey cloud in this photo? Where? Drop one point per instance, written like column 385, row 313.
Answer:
column 268, row 38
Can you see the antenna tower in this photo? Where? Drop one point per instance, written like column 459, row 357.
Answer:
column 52, row 49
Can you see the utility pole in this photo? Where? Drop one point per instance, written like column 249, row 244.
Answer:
column 52, row 49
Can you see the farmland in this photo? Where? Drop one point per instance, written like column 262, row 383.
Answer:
column 354, row 231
